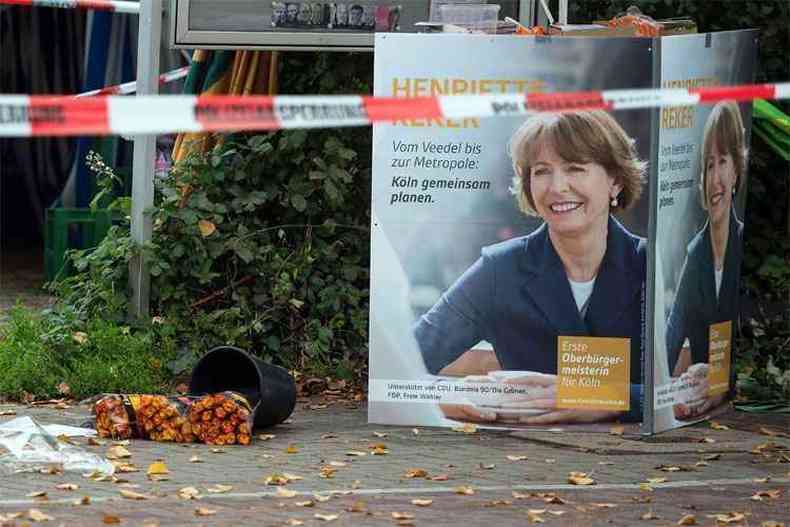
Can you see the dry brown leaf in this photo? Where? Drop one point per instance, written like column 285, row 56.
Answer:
column 762, row 480
column 292, row 449
column 157, row 468
column 92, row 441
column 294, row 522
column 464, row 490
column 195, row 459
column 416, row 473
column 489, row 466
column 188, row 493
column 767, row 494
column 439, row 477
column 535, row 517
column 85, row 500
column 772, row 523
column 729, row 517
column 688, row 519
column 763, row 430
column 217, row 450
column 379, row 451
column 707, row 440
column 124, row 467
column 715, row 425
column 291, row 477
column 329, row 436
column 617, row 430
column 321, row 498
column 655, row 481
column 645, row 487
column 80, row 337
column 327, row 472
column 357, row 506
column 118, row 452
column 402, row 515
column 421, row 503
column 266, row 437
column 551, row 460
column 356, row 453
column 326, row 517
column 203, row 511
column 7, row 412
column 517, row 458
column 206, row 228
column 701, row 464
column 37, row 494
column 220, row 489
column 10, row 516
column 556, row 513
column 38, row 516
column 275, row 479
column 650, row 515
column 415, row 431
column 111, row 519
column 308, row 503
column 132, row 495
column 379, row 434
column 604, row 505
column 67, row 486
column 285, row 493
column 338, row 463
column 580, row 478
column 467, row 428
column 520, row 495
column 712, row 457
column 553, row 499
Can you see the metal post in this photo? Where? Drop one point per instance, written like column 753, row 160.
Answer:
column 527, row 12
column 563, row 15
column 148, row 47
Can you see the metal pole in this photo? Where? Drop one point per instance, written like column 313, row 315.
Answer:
column 563, row 12
column 148, row 41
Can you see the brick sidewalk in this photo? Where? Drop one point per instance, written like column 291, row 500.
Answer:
column 706, row 484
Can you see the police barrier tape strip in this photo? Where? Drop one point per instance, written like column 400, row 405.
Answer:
column 119, row 6
column 131, row 87
column 23, row 115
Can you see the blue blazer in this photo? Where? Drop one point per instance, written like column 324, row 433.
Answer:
column 696, row 306
column 517, row 297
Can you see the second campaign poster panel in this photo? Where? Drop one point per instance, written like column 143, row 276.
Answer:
column 702, row 163
column 508, row 254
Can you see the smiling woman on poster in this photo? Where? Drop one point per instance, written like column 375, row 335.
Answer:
column 708, row 288
column 580, row 274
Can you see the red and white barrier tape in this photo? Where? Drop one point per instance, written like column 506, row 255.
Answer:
column 131, row 87
column 23, row 115
column 119, row 6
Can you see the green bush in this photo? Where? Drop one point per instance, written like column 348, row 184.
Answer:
column 52, row 353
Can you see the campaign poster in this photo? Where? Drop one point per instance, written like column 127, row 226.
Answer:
column 508, row 254
column 702, row 165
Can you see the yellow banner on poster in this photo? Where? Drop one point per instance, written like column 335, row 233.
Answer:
column 719, row 357
column 593, row 373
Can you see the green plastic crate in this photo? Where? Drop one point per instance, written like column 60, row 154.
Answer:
column 71, row 228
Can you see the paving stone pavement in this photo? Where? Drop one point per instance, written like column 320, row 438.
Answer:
column 702, row 478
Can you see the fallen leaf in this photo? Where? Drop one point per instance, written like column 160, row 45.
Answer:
column 291, row 477
column 327, row 472
column 772, row 523
column 712, row 457
column 67, row 486
column 326, row 517
column 80, row 337
column 655, row 481
column 7, row 412
column 439, row 477
column 125, row 467
column 195, row 459
column 497, row 503
column 379, row 434
column 130, row 494
column 63, row 388
column 266, row 437
column 308, row 503
column 357, row 506
column 402, row 516
column 111, row 519
column 157, row 468
column 294, row 522
column 219, row 488
column 707, row 440
column 38, row 516
column 356, row 453
column 329, row 436
column 203, row 511
column 701, row 464
column 37, row 494
column 604, row 505
column 206, row 228
column 535, row 517
column 762, row 480
column 217, row 451
column 379, row 451
column 292, row 449
column 763, row 430
column 688, row 519
column 767, row 494
column 285, row 493
column 415, row 431
column 415, row 473
column 188, row 493
column 552, row 460
column 421, row 503
column 321, row 498
column 85, row 500
column 338, row 463
column 517, row 458
column 552, row 498
column 650, row 515
column 729, row 517
column 645, row 487
column 92, row 441
column 520, row 495
column 464, row 490
column 10, row 516
column 580, row 478
column 717, row 426
column 489, row 466
column 118, row 452
column 617, row 430
column 556, row 513
column 467, row 428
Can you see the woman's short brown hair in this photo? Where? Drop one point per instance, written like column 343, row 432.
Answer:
column 724, row 128
column 579, row 137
